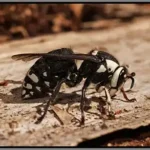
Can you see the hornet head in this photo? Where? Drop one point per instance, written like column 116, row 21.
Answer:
column 119, row 77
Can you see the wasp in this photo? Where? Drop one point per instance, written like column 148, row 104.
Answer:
column 56, row 67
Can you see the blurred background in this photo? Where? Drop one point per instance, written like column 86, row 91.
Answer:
column 18, row 21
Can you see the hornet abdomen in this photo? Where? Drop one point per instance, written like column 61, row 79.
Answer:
column 44, row 75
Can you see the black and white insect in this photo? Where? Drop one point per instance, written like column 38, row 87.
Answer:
column 53, row 69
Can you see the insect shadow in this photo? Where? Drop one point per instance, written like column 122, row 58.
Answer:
column 63, row 98
column 15, row 97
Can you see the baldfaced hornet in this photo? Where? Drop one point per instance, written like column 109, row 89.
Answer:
column 53, row 69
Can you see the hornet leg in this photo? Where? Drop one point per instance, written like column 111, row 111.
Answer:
column 86, row 84
column 108, row 97
column 125, row 96
column 109, row 100
column 51, row 101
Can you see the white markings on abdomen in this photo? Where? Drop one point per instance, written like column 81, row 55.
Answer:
column 27, row 96
column 45, row 74
column 38, row 88
column 47, row 83
column 31, row 93
column 33, row 77
column 27, row 86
